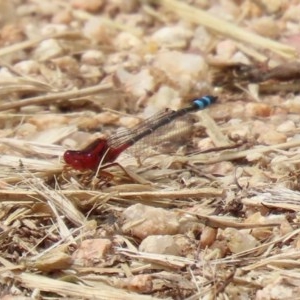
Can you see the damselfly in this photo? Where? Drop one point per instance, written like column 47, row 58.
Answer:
column 103, row 151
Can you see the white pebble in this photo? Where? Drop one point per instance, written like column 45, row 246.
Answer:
column 142, row 221
column 177, row 36
column 137, row 84
column 286, row 126
column 93, row 57
column 48, row 49
column 159, row 244
column 126, row 40
column 27, row 67
column 239, row 240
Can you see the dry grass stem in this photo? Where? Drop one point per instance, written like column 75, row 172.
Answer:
column 199, row 16
column 58, row 96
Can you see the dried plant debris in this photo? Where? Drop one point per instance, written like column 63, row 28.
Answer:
column 207, row 209
column 283, row 78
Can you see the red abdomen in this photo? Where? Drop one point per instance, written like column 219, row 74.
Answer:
column 90, row 157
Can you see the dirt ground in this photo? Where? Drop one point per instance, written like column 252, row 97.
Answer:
column 206, row 207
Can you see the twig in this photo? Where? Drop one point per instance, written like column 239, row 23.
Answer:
column 223, row 27
column 41, row 100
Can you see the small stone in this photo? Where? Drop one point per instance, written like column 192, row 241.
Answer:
column 286, row 126
column 52, row 261
column 90, row 5
column 258, row 110
column 175, row 36
column 267, row 26
column 185, row 69
column 91, row 251
column 97, row 31
column 239, row 240
column 48, row 49
column 93, row 57
column 27, row 67
column 208, row 236
column 272, row 137
column 137, row 84
column 126, row 41
column 142, row 221
column 159, row 244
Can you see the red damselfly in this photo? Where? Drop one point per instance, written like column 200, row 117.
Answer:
column 103, row 151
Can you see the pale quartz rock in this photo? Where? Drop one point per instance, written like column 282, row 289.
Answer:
column 141, row 283
column 262, row 233
column 239, row 240
column 240, row 57
column 201, row 39
column 159, row 244
column 128, row 121
column 293, row 38
column 127, row 40
column 67, row 64
column 142, row 221
column 280, row 288
column 48, row 121
column 272, row 137
column 186, row 64
column 296, row 137
column 230, row 7
column 186, row 72
column 292, row 13
column 88, row 71
column 90, row 5
column 225, row 49
column 53, row 28
column 240, row 130
column 136, row 84
column 172, row 36
column 293, row 105
column 164, row 97
column 26, row 130
column 280, row 118
column 93, row 57
column 286, row 126
column 91, row 251
column 273, row 6
column 62, row 17
column 48, row 49
column 205, row 143
column 97, row 31
column 266, row 26
column 127, row 60
column 258, row 127
column 27, row 67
